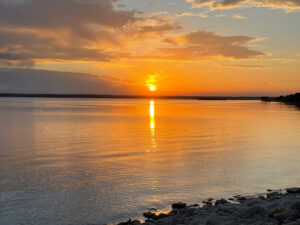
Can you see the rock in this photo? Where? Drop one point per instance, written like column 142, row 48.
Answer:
column 179, row 205
column 194, row 205
column 252, row 210
column 221, row 201
column 253, row 201
column 273, row 194
column 183, row 211
column 208, row 204
column 197, row 221
column 149, row 215
column 123, row 223
column 297, row 222
column 287, row 215
column 274, row 209
column 135, row 222
column 126, row 223
column 293, row 215
column 296, row 205
column 153, row 209
column 160, row 216
column 293, row 190
column 193, row 211
column 213, row 219
column 241, row 198
column 208, row 201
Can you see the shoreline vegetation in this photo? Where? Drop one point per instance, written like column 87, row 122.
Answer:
column 276, row 207
column 293, row 99
column 96, row 96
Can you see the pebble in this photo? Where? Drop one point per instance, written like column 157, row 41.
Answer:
column 179, row 205
column 293, row 190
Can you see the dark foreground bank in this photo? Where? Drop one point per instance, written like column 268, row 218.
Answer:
column 275, row 207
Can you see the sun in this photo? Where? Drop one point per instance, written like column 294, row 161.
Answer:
column 152, row 87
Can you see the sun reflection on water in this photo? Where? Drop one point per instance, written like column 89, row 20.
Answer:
column 152, row 124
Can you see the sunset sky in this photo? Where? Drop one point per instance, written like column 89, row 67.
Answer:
column 180, row 47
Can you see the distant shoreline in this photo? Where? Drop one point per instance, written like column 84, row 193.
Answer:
column 293, row 99
column 95, row 96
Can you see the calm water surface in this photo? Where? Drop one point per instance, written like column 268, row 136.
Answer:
column 101, row 161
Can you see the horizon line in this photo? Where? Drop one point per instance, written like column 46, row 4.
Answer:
column 198, row 97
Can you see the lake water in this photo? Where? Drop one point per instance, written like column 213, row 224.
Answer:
column 70, row 161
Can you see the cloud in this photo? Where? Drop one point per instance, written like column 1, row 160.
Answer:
column 243, row 66
column 237, row 16
column 201, row 45
column 288, row 5
column 184, row 14
column 26, row 47
column 41, row 81
column 153, row 14
column 90, row 30
column 60, row 14
column 153, row 24
column 188, row 14
column 220, row 15
column 34, row 31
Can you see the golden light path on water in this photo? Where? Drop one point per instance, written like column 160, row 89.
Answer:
column 152, row 124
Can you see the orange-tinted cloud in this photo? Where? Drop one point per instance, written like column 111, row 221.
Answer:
column 201, row 45
column 228, row 4
column 97, row 30
column 93, row 30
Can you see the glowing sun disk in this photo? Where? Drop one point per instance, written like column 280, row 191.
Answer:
column 152, row 87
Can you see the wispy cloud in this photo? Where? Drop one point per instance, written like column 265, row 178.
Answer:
column 220, row 15
column 288, row 5
column 184, row 14
column 238, row 16
column 243, row 66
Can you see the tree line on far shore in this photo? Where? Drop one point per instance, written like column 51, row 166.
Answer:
column 289, row 99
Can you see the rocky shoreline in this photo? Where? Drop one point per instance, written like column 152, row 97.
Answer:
column 274, row 207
